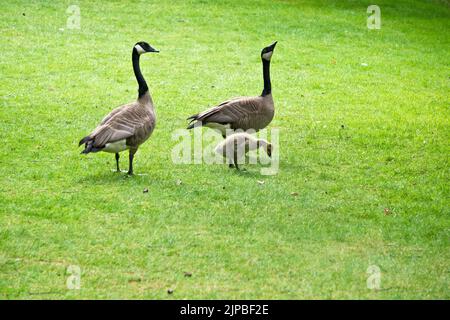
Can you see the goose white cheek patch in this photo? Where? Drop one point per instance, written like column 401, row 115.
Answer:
column 267, row 55
column 139, row 49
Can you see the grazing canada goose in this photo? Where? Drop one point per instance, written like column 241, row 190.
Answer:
column 235, row 146
column 127, row 126
column 243, row 112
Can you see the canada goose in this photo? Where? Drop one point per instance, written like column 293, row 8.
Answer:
column 127, row 126
column 243, row 112
column 236, row 145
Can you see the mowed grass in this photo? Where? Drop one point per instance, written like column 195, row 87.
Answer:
column 366, row 148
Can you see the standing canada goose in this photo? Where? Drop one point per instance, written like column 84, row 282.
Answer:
column 236, row 145
column 243, row 112
column 127, row 126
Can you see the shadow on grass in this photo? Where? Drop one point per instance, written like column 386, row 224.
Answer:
column 245, row 171
column 113, row 177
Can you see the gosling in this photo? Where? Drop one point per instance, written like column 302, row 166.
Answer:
column 236, row 146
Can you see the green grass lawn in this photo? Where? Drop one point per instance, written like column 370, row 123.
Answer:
column 364, row 129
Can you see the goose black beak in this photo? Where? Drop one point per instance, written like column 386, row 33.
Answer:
column 272, row 46
column 151, row 49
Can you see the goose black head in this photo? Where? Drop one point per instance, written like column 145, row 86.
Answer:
column 267, row 52
column 143, row 47
column 267, row 146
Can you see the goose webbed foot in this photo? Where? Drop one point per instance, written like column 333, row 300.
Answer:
column 231, row 165
column 234, row 165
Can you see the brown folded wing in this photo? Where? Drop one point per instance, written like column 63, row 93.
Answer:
column 123, row 123
column 241, row 113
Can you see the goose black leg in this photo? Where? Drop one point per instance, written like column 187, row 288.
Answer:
column 235, row 161
column 229, row 165
column 130, row 169
column 117, row 161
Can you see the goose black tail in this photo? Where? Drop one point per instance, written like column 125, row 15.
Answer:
column 192, row 118
column 89, row 148
column 88, row 145
column 192, row 121
column 84, row 140
column 86, row 151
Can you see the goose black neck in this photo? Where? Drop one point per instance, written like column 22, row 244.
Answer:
column 266, row 74
column 143, row 88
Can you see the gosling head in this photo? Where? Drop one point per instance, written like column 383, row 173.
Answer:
column 267, row 146
column 269, row 150
column 266, row 53
column 143, row 47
